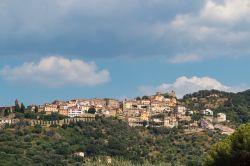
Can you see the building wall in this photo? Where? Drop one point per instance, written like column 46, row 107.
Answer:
column 63, row 112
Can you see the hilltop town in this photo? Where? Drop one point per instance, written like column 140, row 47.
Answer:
column 160, row 110
column 155, row 129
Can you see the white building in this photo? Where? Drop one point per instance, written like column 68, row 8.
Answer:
column 74, row 112
column 79, row 154
column 221, row 117
column 84, row 103
column 180, row 109
column 160, row 109
column 84, row 108
column 49, row 108
column 146, row 102
column 170, row 122
column 130, row 104
column 207, row 112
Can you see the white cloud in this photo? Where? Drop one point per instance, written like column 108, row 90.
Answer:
column 77, row 27
column 186, row 58
column 215, row 15
column 219, row 28
column 229, row 10
column 139, row 28
column 56, row 71
column 184, row 85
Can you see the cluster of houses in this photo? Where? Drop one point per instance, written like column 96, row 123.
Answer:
column 159, row 110
column 145, row 111
column 80, row 107
column 213, row 123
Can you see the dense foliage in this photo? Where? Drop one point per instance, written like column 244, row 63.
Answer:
column 234, row 150
column 22, row 144
column 25, row 145
column 236, row 105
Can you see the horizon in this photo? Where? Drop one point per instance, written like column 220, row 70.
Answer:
column 123, row 99
column 77, row 49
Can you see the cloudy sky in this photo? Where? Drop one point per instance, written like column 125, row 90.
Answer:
column 64, row 49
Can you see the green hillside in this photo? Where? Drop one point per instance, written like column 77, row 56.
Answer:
column 24, row 145
column 235, row 105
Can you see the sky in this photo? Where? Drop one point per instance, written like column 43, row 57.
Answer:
column 66, row 49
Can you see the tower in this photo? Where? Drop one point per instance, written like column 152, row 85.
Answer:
column 17, row 103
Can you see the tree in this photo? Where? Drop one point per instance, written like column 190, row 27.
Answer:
column 52, row 117
column 37, row 129
column 92, row 110
column 138, row 98
column 6, row 112
column 30, row 115
column 36, row 109
column 17, row 108
column 145, row 98
column 145, row 123
column 234, row 150
column 22, row 109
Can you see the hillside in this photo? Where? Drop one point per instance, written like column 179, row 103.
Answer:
column 25, row 145
column 109, row 137
column 235, row 105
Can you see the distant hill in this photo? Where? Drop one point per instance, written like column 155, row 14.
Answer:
column 207, row 93
column 235, row 105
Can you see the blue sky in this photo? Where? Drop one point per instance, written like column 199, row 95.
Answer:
column 64, row 49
